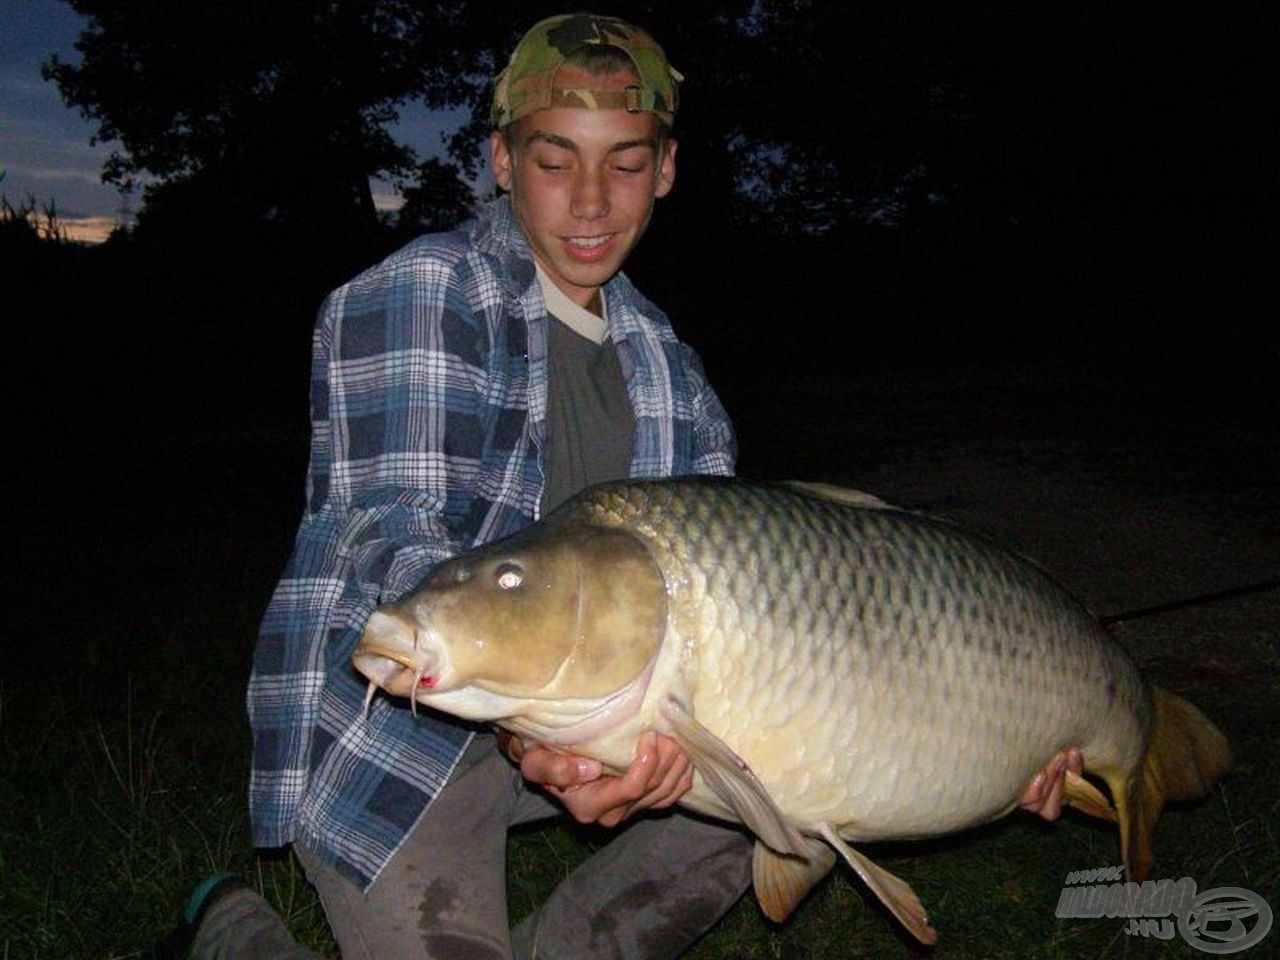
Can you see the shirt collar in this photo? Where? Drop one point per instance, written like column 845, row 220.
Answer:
column 578, row 319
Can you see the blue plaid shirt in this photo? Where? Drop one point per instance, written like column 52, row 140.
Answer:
column 428, row 405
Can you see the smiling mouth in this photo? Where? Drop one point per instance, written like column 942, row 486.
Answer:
column 589, row 243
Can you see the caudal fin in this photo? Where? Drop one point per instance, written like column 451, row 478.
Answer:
column 1186, row 757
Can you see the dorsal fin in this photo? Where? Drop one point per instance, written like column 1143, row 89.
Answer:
column 846, row 495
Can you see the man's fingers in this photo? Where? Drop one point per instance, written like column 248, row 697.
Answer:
column 611, row 800
column 676, row 776
column 607, row 802
column 1056, row 780
column 675, row 785
column 1051, row 809
column 1034, row 793
column 1045, row 793
column 1075, row 760
column 560, row 770
column 668, row 776
column 659, row 774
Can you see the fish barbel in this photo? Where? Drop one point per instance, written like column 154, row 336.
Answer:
column 835, row 669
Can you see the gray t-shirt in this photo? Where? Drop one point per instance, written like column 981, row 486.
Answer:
column 590, row 423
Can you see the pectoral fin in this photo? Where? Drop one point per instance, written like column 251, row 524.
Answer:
column 896, row 894
column 781, row 882
column 733, row 782
column 1087, row 798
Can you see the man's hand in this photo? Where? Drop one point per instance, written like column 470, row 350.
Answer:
column 659, row 775
column 1044, row 793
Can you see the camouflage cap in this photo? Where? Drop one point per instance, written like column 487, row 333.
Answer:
column 528, row 82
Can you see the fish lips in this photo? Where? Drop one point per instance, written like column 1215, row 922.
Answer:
column 397, row 672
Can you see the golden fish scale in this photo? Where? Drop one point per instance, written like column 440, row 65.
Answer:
column 877, row 669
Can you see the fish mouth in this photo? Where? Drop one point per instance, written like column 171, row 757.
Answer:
column 380, row 652
column 400, row 672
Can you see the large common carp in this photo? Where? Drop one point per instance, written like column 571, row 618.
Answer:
column 835, row 669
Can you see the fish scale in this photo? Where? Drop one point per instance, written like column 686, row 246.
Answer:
column 835, row 669
column 887, row 579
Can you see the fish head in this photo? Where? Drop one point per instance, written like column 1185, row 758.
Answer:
column 558, row 612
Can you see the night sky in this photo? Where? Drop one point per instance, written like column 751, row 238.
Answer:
column 45, row 147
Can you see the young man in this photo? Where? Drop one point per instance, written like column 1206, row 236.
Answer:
column 460, row 389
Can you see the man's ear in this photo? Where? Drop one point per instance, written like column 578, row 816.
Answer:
column 666, row 169
column 500, row 160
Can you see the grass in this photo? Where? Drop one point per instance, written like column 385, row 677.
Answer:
column 106, row 830
column 992, row 892
column 108, row 821
column 123, row 757
column 34, row 222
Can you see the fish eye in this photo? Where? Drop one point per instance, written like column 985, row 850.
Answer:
column 508, row 575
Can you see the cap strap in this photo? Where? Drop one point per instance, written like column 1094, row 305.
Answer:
column 633, row 99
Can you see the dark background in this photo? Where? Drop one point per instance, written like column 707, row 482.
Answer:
column 891, row 232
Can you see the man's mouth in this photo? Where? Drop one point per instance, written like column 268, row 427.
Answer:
column 590, row 250
column 589, row 243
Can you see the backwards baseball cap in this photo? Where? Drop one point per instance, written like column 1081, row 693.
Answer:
column 528, row 82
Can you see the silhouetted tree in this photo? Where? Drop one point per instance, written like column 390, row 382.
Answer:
column 281, row 112
column 958, row 129
column 278, row 111
column 437, row 200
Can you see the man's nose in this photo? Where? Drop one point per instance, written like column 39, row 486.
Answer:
column 590, row 196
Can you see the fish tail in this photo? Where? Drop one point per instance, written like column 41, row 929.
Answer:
column 1186, row 756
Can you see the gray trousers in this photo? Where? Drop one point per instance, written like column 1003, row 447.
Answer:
column 650, row 893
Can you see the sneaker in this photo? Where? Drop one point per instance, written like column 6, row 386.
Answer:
column 209, row 891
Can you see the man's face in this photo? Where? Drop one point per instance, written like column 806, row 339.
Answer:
column 582, row 184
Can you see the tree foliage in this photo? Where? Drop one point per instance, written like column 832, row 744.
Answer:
column 800, row 117
column 284, row 110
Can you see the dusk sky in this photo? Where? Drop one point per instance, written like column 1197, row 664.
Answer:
column 44, row 145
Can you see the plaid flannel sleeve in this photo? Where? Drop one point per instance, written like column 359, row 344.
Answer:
column 397, row 434
column 403, row 393
column 715, row 446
